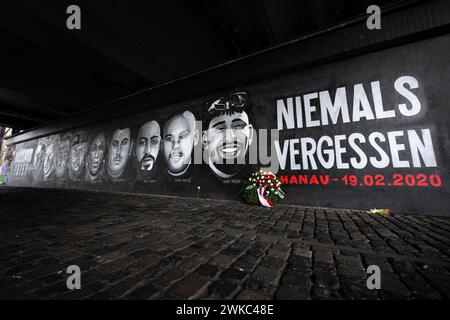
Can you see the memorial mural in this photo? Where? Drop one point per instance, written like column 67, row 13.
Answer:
column 375, row 138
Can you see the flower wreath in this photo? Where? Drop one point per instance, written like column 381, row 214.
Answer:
column 263, row 188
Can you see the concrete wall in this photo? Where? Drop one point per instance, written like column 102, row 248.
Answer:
column 364, row 132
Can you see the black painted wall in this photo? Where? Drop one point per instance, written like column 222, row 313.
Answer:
column 419, row 184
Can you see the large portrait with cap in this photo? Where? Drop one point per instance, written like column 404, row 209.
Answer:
column 180, row 135
column 228, row 134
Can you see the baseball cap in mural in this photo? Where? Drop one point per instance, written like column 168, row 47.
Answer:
column 236, row 102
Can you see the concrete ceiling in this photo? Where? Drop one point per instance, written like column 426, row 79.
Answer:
column 49, row 72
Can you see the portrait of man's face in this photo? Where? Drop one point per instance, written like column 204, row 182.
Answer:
column 96, row 154
column 77, row 154
column 62, row 156
column 119, row 152
column 148, row 142
column 227, row 140
column 179, row 138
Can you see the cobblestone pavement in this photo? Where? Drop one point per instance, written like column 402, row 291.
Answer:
column 148, row 247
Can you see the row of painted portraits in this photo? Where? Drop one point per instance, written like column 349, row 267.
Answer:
column 92, row 155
